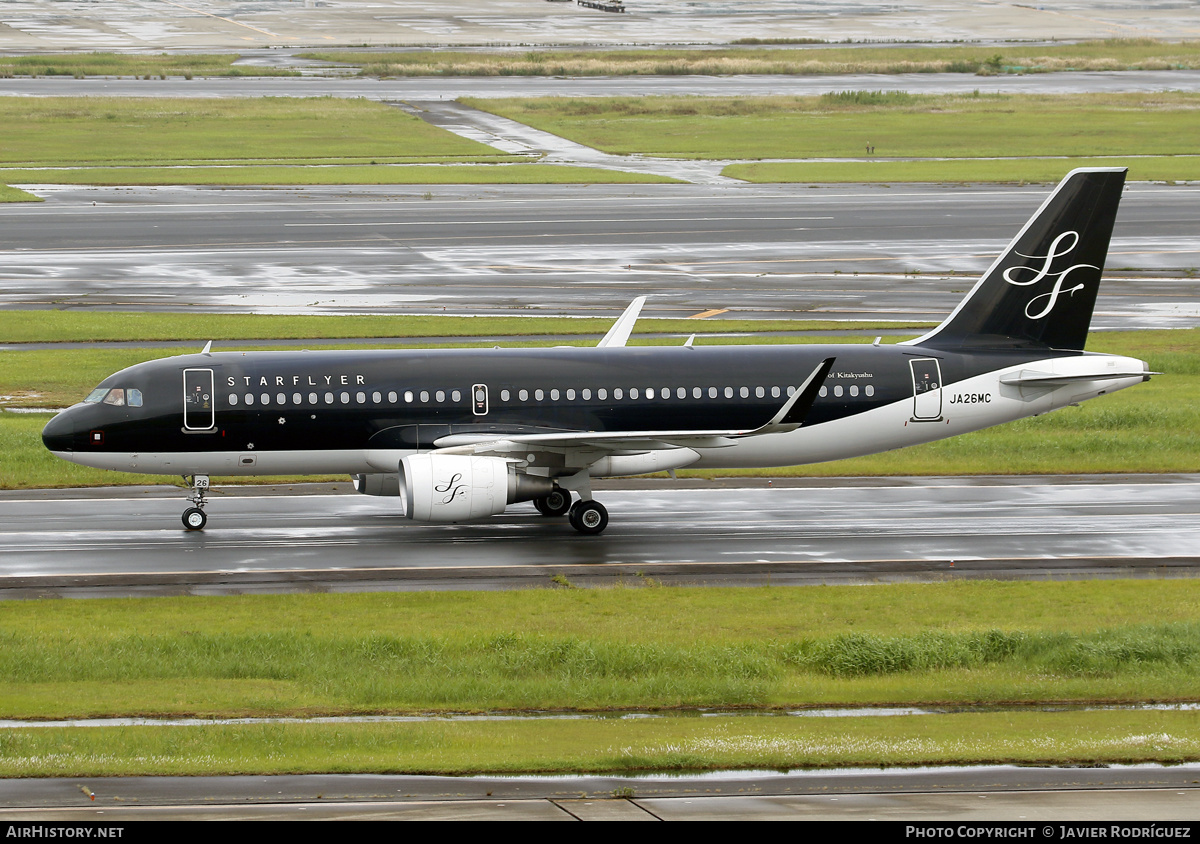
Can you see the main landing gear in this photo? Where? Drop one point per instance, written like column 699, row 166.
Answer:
column 193, row 517
column 557, row 503
column 587, row 517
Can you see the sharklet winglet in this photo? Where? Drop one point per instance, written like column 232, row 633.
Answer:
column 623, row 327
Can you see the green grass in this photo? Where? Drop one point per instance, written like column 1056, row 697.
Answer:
column 771, row 648
column 908, row 126
column 153, row 132
column 10, row 194
column 605, row 746
column 602, row 649
column 1112, row 54
column 964, row 644
column 122, row 64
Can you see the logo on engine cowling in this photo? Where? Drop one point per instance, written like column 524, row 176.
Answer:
column 1057, row 250
column 452, row 487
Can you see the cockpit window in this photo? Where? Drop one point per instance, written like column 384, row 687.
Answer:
column 115, row 397
column 97, row 394
column 134, row 397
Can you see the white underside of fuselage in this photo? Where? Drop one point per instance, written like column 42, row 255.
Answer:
column 968, row 405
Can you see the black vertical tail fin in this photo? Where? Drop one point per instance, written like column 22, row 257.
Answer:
column 1042, row 289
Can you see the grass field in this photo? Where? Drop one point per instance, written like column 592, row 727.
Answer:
column 152, row 132
column 1113, row 54
column 10, row 194
column 898, row 125
column 124, row 64
column 266, row 141
column 605, row 650
column 1149, row 428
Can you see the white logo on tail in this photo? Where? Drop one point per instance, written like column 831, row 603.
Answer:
column 1060, row 278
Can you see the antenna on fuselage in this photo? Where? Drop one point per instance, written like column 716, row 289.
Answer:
column 623, row 327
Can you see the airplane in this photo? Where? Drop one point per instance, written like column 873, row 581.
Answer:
column 460, row 434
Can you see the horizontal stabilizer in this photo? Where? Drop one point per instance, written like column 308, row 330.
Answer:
column 1049, row 379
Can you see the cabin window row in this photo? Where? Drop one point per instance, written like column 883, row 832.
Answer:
column 601, row 394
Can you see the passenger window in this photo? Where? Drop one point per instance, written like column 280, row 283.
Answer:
column 633, row 392
column 837, row 390
column 504, row 395
column 681, row 393
column 441, row 395
column 312, row 398
column 712, row 392
column 854, row 389
column 697, row 392
column 425, row 396
column 570, row 395
column 824, row 392
column 233, row 399
column 345, row 397
column 297, row 398
column 378, row 398
column 870, row 391
column 281, row 399
column 523, row 395
column 249, row 399
column 539, row 395
column 587, row 394
column 618, row 394
column 775, row 392
column 329, row 398
column 554, row 395
column 361, row 397
column 759, row 392
column 265, row 398
column 744, row 392
column 602, row 394
column 729, row 392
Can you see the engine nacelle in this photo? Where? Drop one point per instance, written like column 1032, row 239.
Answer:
column 456, row 487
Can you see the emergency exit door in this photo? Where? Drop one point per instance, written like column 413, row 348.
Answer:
column 927, row 389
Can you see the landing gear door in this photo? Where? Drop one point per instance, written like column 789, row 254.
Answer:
column 199, row 400
column 927, row 389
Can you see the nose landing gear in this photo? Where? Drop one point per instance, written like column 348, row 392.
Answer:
column 194, row 517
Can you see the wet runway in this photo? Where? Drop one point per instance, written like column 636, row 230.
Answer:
column 1013, row 795
column 130, row 541
column 836, row 252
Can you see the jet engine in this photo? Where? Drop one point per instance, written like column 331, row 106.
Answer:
column 456, row 487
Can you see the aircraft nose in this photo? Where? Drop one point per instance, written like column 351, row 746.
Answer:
column 59, row 433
